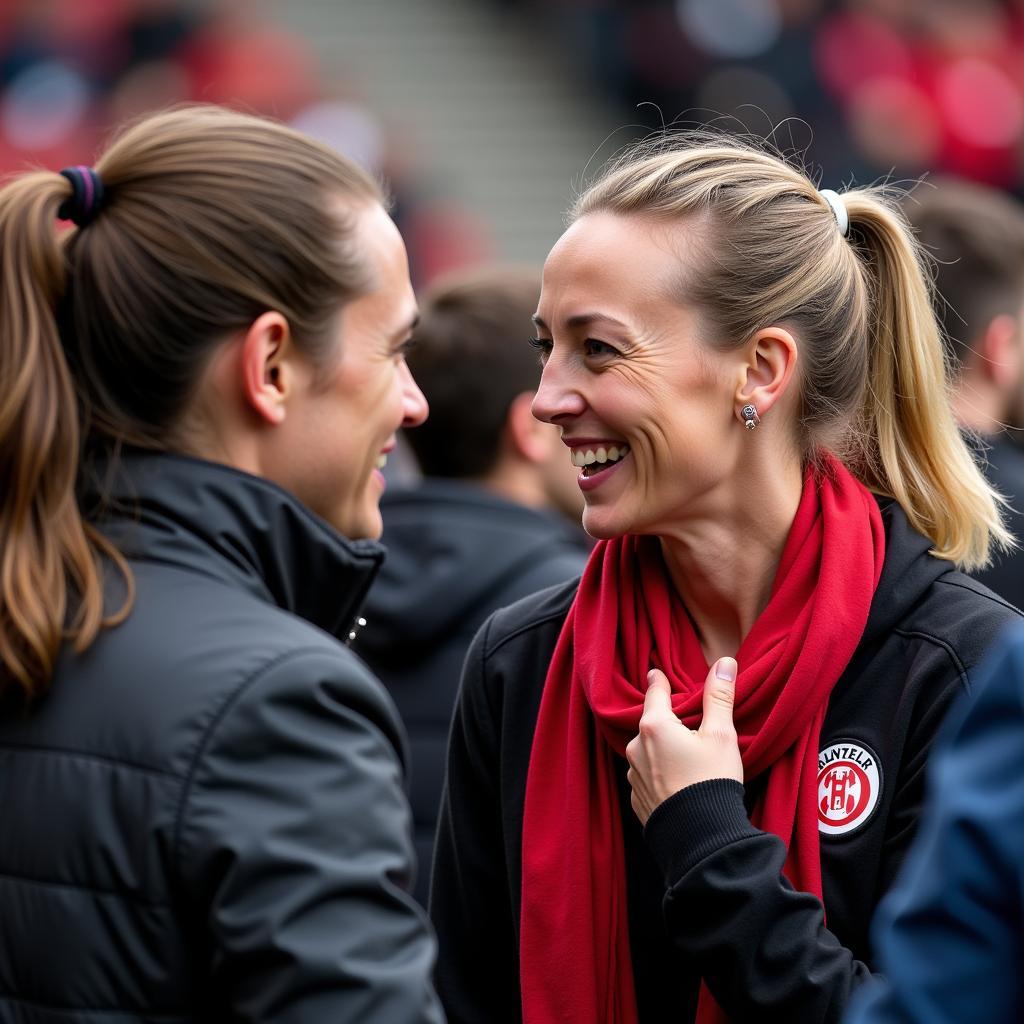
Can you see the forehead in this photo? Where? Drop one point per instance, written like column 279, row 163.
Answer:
column 636, row 263
column 390, row 300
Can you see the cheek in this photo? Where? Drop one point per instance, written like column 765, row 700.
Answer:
column 373, row 404
column 385, row 405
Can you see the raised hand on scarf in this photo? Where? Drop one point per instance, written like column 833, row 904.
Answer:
column 665, row 756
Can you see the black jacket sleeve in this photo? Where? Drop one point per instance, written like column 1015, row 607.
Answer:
column 294, row 849
column 477, row 972
column 762, row 947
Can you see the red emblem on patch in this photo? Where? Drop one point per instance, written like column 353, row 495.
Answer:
column 849, row 785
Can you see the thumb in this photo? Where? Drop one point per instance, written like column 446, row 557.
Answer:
column 720, row 695
column 658, row 698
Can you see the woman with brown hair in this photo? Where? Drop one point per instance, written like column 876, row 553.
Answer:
column 201, row 786
column 678, row 787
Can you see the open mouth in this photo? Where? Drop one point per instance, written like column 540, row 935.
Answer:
column 594, row 461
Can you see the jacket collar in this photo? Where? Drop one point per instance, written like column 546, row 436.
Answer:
column 907, row 574
column 235, row 527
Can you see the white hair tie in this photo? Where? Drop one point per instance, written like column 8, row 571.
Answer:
column 838, row 208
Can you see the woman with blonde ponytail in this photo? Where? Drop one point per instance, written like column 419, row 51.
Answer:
column 203, row 810
column 678, row 787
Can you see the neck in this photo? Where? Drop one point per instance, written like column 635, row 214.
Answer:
column 724, row 562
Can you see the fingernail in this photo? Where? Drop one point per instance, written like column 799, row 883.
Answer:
column 650, row 677
column 726, row 669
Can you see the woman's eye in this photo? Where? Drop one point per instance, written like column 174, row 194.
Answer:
column 543, row 346
column 593, row 347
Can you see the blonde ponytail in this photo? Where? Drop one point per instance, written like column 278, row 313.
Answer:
column 873, row 382
column 907, row 443
column 50, row 560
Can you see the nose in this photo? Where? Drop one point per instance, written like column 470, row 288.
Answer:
column 414, row 403
column 557, row 399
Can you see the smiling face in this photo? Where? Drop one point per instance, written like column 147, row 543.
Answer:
column 627, row 369
column 343, row 423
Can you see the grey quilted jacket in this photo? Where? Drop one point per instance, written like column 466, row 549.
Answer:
column 204, row 820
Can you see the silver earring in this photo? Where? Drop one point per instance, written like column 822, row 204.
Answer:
column 750, row 417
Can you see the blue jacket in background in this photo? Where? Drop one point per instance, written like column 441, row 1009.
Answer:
column 950, row 935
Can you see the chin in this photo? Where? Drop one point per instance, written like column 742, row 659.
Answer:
column 368, row 526
column 603, row 527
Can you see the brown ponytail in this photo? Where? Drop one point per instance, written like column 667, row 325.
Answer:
column 910, row 446
column 47, row 552
column 210, row 218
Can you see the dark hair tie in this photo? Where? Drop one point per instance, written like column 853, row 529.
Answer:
column 86, row 200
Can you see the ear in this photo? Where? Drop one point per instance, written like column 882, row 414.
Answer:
column 997, row 355
column 526, row 435
column 771, row 357
column 266, row 366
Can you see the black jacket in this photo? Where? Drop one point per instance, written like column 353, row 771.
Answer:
column 455, row 553
column 204, row 819
column 704, row 887
column 1002, row 460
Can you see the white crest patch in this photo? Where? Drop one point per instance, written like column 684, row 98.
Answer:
column 849, row 785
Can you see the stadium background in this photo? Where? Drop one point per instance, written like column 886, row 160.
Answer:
column 484, row 115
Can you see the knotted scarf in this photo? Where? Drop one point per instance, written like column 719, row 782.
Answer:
column 575, row 963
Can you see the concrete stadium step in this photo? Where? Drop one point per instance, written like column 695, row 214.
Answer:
column 488, row 104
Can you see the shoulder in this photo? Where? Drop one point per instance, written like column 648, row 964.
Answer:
column 961, row 617
column 507, row 662
column 528, row 621
column 943, row 616
column 293, row 667
column 193, row 654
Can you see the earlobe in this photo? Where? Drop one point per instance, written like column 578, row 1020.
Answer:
column 767, row 373
column 267, row 350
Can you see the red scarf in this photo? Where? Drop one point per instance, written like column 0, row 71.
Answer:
column 575, row 963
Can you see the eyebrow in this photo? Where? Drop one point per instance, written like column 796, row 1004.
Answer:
column 583, row 320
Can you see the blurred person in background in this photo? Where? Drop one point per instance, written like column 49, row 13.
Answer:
column 488, row 524
column 950, row 934
column 976, row 236
column 678, row 787
column 204, row 816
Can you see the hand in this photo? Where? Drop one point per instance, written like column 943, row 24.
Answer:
column 665, row 756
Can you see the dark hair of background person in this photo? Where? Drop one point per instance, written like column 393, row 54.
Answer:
column 471, row 358
column 211, row 218
column 976, row 237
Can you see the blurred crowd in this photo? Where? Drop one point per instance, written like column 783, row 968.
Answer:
column 910, row 85
column 70, row 70
column 485, row 513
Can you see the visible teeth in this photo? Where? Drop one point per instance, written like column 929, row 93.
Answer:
column 382, row 461
column 588, row 456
